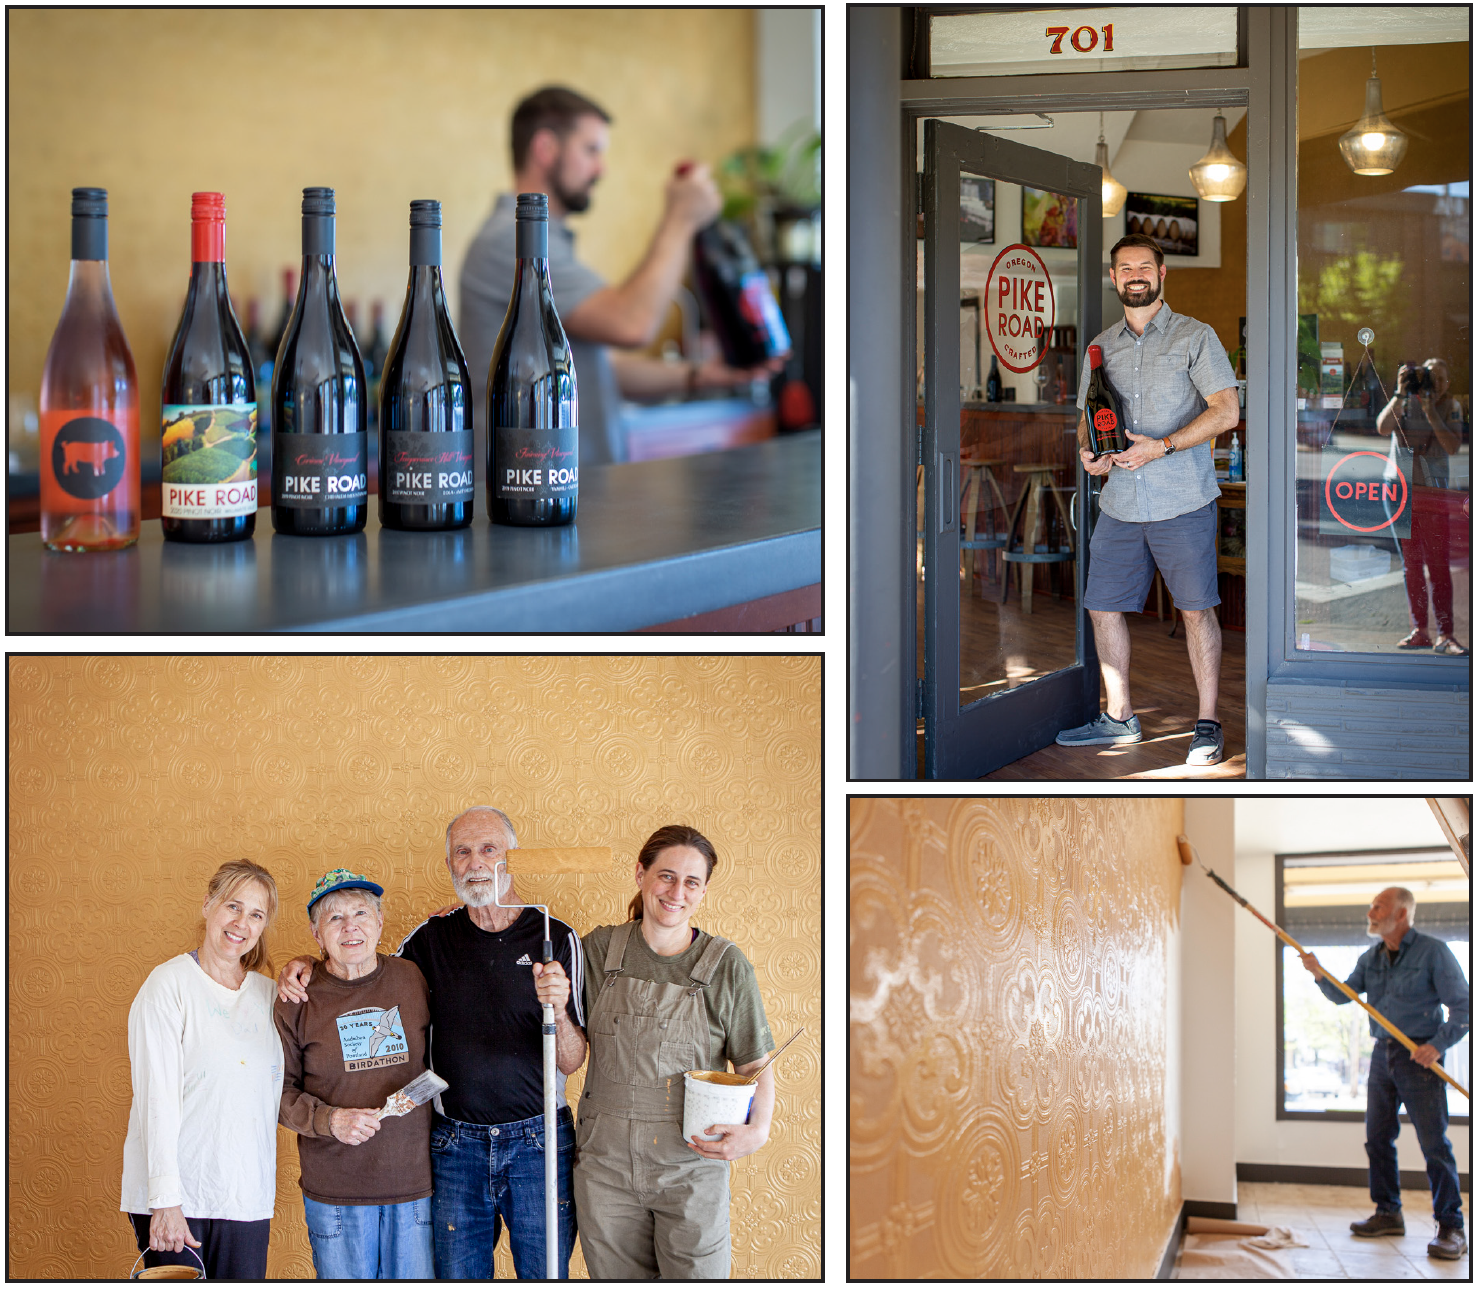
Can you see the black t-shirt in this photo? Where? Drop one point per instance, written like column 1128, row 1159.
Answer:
column 486, row 1022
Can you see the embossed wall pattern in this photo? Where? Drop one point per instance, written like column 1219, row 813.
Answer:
column 132, row 778
column 1008, row 1041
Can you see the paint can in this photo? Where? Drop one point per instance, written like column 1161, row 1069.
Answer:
column 711, row 1097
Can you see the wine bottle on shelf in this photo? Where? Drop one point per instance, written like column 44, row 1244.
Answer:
column 319, row 397
column 1104, row 409
column 531, row 457
column 284, row 315
column 992, row 382
column 89, row 407
column 208, row 401
column 426, row 400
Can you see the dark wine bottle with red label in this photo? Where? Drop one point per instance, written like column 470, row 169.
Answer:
column 1104, row 409
column 319, row 397
column 531, row 457
column 208, row 401
column 426, row 400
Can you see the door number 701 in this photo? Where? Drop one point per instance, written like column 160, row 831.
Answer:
column 1087, row 34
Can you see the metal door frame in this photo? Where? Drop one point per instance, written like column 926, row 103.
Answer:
column 1263, row 82
column 996, row 729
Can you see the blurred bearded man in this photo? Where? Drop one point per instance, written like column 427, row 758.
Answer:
column 558, row 145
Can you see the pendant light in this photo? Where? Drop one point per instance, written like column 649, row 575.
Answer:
column 1113, row 192
column 1219, row 176
column 1373, row 146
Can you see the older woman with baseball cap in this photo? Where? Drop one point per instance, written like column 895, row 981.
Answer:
column 362, row 1034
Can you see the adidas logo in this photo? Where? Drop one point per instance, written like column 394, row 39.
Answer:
column 523, row 960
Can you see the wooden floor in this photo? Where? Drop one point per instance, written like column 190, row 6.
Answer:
column 1164, row 699
column 1000, row 647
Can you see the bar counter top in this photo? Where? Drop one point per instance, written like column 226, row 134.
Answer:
column 654, row 542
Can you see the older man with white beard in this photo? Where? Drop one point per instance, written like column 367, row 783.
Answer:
column 486, row 985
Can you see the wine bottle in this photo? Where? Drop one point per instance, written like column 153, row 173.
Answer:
column 992, row 383
column 531, row 457
column 319, row 397
column 426, row 399
column 284, row 316
column 1104, row 409
column 739, row 299
column 208, row 401
column 89, row 407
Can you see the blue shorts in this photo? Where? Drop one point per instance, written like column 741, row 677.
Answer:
column 1123, row 555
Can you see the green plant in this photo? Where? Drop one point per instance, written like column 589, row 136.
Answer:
column 783, row 175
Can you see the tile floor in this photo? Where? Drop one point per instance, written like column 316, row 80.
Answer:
column 1322, row 1215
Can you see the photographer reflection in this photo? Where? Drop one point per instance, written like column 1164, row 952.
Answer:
column 1427, row 421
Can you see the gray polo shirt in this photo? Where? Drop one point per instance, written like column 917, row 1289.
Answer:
column 1164, row 380
column 485, row 281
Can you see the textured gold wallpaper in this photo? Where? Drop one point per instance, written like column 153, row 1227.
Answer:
column 132, row 778
column 1008, row 1045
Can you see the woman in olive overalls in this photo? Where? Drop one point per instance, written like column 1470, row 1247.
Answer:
column 663, row 998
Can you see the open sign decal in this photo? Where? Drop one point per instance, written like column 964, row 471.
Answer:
column 1355, row 496
column 1019, row 308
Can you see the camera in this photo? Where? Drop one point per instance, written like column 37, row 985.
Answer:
column 1415, row 379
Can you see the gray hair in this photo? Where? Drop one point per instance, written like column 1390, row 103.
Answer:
column 477, row 808
column 319, row 903
column 1406, row 899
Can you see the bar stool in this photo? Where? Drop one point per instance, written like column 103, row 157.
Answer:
column 1040, row 478
column 978, row 471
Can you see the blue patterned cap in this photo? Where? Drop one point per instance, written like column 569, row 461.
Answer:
column 341, row 879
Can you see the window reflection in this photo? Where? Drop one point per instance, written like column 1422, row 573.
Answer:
column 1382, row 376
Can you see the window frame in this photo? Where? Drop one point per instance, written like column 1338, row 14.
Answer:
column 1280, row 919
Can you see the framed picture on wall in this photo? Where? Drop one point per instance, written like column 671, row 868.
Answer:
column 1174, row 223
column 1047, row 219
column 975, row 209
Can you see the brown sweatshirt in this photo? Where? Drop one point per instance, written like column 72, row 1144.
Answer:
column 352, row 1045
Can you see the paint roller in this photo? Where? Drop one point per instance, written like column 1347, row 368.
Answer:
column 1187, row 855
column 547, row 862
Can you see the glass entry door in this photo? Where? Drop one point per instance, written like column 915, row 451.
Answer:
column 1012, row 297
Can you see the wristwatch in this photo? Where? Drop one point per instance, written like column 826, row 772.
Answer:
column 1169, row 444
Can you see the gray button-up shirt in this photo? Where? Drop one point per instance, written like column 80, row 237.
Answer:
column 485, row 281
column 1164, row 380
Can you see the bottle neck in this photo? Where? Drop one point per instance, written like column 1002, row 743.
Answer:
column 208, row 277
column 319, row 238
column 530, row 239
column 88, row 280
column 426, row 247
column 208, row 241
column 90, row 238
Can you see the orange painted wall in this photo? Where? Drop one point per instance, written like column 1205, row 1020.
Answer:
column 132, row 778
column 1010, row 1110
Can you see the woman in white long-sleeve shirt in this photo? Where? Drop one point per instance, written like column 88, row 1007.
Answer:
column 200, row 1158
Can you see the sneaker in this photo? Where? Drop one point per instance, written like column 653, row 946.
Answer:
column 1451, row 1243
column 1207, row 744
column 1103, row 731
column 1448, row 645
column 1417, row 640
column 1380, row 1224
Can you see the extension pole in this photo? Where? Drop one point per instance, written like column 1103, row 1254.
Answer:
column 1339, row 984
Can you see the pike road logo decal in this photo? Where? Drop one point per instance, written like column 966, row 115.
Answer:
column 372, row 1038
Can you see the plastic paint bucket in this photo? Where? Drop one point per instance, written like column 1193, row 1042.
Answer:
column 711, row 1097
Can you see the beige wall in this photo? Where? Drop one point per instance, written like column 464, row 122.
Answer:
column 383, row 105
column 1013, row 1022
column 132, row 778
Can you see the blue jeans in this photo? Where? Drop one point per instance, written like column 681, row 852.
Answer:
column 483, row 1173
column 1396, row 1079
column 371, row 1241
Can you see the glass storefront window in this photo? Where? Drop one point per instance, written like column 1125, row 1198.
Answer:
column 1382, row 375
